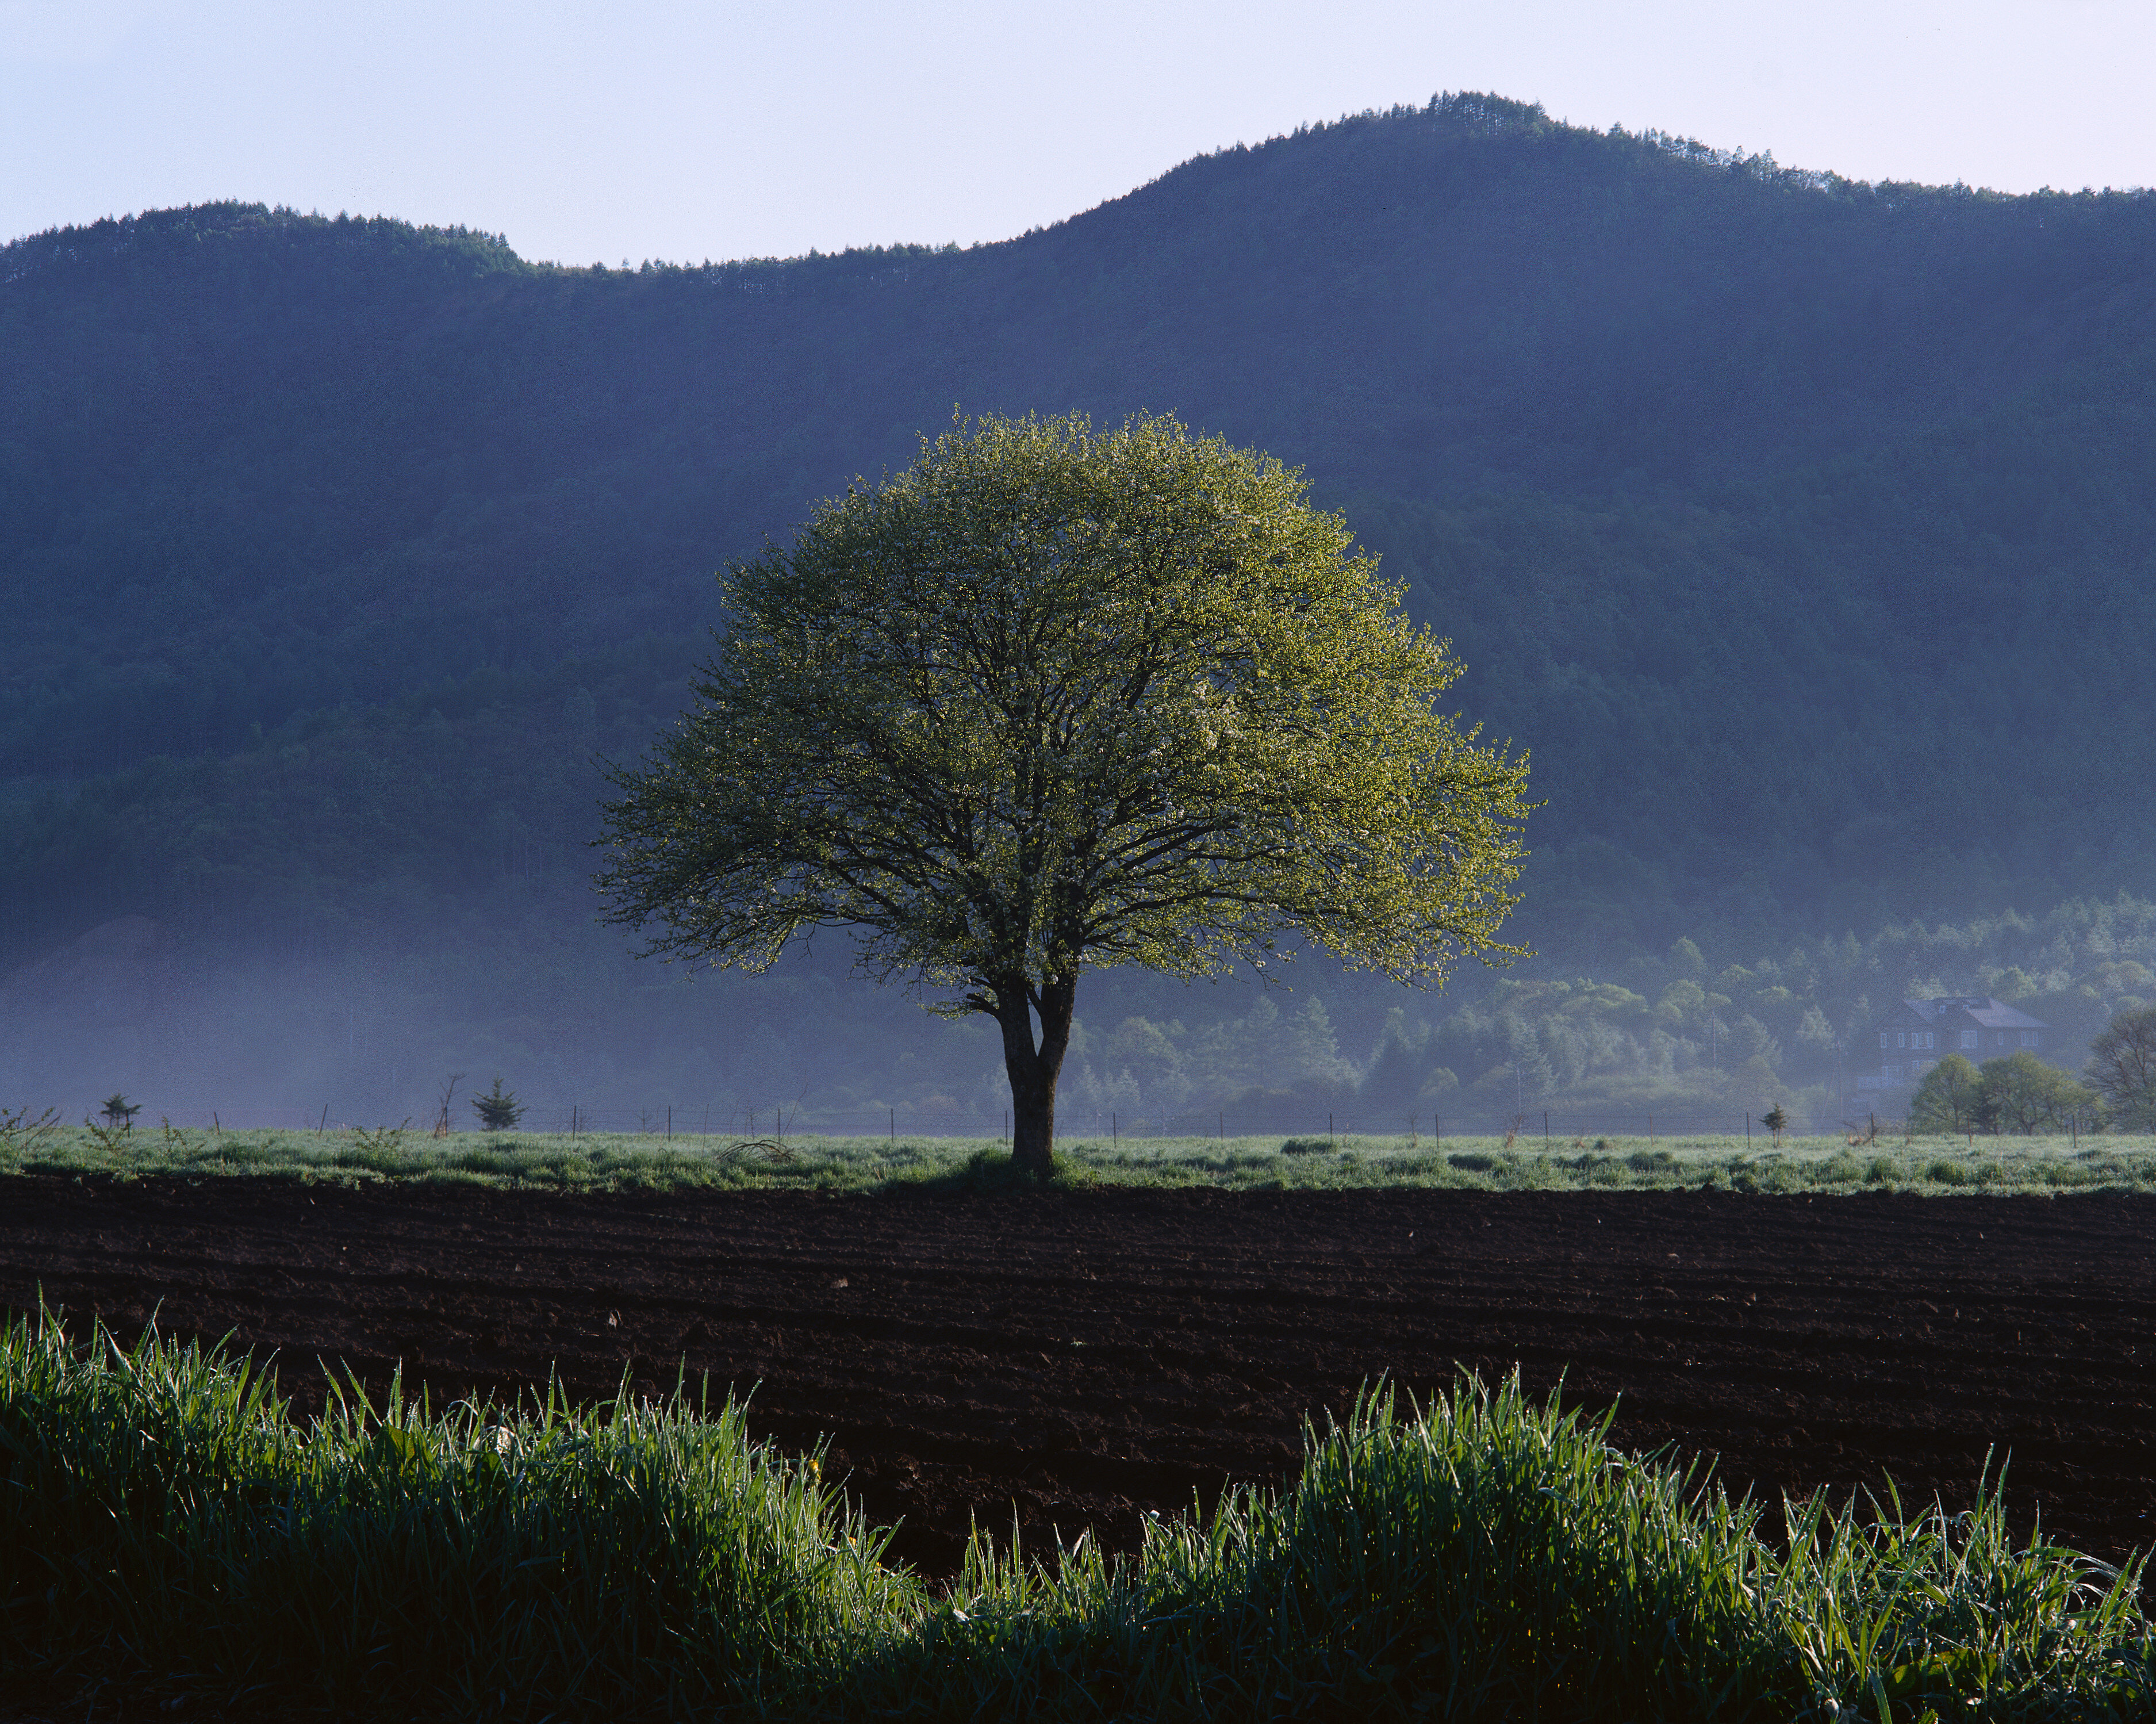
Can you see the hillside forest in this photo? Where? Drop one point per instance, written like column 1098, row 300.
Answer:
column 1799, row 528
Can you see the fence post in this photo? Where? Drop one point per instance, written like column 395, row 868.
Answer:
column 669, row 1122
column 1115, row 1131
column 1546, row 1142
column 1331, row 1136
column 1747, row 1131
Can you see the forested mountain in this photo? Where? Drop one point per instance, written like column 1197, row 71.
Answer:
column 1802, row 529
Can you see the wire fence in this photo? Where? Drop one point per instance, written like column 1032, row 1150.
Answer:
column 1547, row 1131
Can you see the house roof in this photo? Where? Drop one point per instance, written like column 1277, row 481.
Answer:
column 1980, row 1009
column 1995, row 1016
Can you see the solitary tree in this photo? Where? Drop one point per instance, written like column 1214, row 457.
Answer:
column 2122, row 1068
column 1052, row 700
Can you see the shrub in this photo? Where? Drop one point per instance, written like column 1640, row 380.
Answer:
column 1306, row 1146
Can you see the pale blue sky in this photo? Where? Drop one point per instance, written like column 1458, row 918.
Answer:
column 589, row 133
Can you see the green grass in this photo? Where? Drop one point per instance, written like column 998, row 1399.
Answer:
column 631, row 1161
column 166, row 1526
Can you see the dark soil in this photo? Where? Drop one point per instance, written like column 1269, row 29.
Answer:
column 1075, row 1359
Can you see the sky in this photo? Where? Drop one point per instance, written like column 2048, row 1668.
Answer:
column 590, row 134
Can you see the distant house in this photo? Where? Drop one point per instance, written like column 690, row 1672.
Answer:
column 1917, row 1034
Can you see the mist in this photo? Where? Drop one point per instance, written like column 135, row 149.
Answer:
column 1696, row 1035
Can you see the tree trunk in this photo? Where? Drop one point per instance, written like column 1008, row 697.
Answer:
column 1034, row 1068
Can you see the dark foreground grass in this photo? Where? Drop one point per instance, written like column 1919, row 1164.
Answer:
column 164, row 1524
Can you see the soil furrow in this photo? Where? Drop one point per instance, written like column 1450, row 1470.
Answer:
column 1074, row 1360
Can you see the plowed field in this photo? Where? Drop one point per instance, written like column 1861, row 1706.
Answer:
column 1078, row 1358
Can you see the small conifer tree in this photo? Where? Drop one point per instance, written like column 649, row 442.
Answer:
column 498, row 1109
column 1776, row 1121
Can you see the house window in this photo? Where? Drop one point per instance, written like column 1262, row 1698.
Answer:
column 2028, row 1038
column 1969, row 1038
column 1900, row 1040
column 1882, row 1038
column 1930, row 1040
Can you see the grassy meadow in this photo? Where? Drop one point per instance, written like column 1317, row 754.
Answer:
column 167, row 1529
column 616, row 1161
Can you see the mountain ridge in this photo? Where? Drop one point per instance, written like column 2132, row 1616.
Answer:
column 331, row 543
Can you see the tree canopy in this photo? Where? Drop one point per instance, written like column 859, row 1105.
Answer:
column 2122, row 1068
column 2021, row 1093
column 1949, row 1098
column 1051, row 700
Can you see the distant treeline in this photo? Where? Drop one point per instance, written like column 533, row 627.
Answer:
column 1673, row 1033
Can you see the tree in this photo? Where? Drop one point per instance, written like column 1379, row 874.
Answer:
column 2122, row 1068
column 1776, row 1120
column 498, row 1109
column 2020, row 1092
column 118, row 1110
column 1052, row 700
column 1949, row 1098
column 449, row 1090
